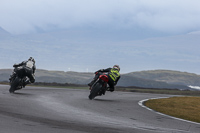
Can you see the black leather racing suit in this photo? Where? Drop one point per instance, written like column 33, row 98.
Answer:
column 26, row 68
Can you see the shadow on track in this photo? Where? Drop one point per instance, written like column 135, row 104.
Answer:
column 105, row 100
column 23, row 94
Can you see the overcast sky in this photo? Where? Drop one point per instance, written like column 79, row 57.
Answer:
column 114, row 26
column 169, row 16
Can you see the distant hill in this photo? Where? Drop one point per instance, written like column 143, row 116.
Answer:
column 168, row 76
column 53, row 76
column 147, row 83
column 63, row 77
column 4, row 74
column 147, row 79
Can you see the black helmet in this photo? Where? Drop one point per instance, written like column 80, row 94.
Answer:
column 31, row 59
column 117, row 67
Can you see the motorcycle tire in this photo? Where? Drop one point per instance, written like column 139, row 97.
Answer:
column 95, row 91
column 14, row 85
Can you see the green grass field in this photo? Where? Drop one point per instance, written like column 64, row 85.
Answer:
column 187, row 108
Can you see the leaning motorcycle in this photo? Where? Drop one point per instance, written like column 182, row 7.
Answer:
column 99, row 87
column 17, row 81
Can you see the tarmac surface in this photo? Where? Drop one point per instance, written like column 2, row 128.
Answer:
column 59, row 110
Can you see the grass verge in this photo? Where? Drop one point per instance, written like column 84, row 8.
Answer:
column 187, row 108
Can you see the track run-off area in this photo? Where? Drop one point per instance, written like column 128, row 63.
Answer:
column 61, row 110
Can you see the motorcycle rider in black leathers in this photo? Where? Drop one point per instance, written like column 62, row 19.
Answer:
column 26, row 68
column 113, row 76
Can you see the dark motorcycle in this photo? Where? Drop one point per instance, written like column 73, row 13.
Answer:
column 99, row 87
column 17, row 81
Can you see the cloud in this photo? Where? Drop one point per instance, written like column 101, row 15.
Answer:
column 24, row 16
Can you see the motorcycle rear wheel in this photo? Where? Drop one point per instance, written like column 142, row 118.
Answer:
column 95, row 91
column 14, row 85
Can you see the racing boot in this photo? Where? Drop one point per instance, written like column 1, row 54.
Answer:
column 27, row 81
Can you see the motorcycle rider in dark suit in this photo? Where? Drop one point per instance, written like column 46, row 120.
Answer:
column 26, row 68
column 113, row 76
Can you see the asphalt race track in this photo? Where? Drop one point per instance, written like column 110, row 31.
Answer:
column 57, row 110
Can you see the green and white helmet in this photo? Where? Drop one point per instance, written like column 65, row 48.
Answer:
column 117, row 67
column 31, row 59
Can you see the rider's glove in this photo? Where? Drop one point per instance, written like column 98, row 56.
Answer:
column 96, row 72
